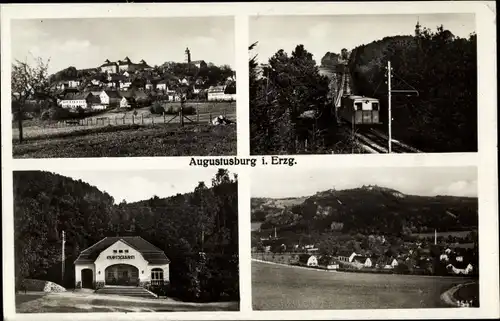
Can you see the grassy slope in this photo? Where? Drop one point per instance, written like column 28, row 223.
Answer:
column 129, row 141
column 287, row 288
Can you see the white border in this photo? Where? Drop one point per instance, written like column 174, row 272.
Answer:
column 485, row 159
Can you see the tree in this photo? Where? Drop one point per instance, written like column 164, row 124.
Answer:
column 290, row 85
column 28, row 82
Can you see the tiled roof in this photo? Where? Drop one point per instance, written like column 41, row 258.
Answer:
column 75, row 96
column 112, row 94
column 151, row 253
column 216, row 89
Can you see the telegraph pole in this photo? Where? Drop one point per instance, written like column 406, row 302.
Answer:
column 62, row 257
column 389, row 76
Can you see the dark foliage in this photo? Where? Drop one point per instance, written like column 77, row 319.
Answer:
column 197, row 231
column 288, row 88
column 443, row 117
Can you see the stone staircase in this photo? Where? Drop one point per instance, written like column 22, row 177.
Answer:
column 126, row 291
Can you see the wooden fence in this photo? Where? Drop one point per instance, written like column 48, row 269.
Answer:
column 141, row 119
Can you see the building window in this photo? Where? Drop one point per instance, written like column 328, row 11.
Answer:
column 120, row 251
column 114, row 251
column 156, row 274
column 359, row 106
column 126, row 251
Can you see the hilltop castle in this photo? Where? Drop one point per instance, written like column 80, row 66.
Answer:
column 123, row 65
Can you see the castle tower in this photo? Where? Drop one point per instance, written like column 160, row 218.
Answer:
column 188, row 55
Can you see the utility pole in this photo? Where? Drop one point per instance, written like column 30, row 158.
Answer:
column 389, row 107
column 62, row 257
column 389, row 102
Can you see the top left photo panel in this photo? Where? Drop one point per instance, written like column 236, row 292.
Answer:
column 123, row 87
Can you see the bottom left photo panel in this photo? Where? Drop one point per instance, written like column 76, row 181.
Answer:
column 126, row 241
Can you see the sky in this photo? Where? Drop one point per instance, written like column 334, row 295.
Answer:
column 320, row 34
column 139, row 185
column 425, row 181
column 87, row 43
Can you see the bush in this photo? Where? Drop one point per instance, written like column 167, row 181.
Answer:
column 174, row 110
column 156, row 108
column 56, row 113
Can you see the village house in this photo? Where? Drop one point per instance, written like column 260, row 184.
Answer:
column 127, row 260
column 346, row 256
column 362, row 260
column 65, row 84
column 149, row 85
column 309, row 260
column 218, row 93
column 199, row 63
column 127, row 102
column 110, row 97
column 125, row 85
column 162, row 85
column 78, row 100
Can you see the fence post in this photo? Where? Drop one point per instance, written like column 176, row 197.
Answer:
column 210, row 117
column 197, row 113
column 142, row 119
column 133, row 119
column 116, row 120
column 153, row 120
column 123, row 119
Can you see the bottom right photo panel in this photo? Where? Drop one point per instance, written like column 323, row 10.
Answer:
column 365, row 238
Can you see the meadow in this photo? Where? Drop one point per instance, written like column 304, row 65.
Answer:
column 276, row 287
column 131, row 141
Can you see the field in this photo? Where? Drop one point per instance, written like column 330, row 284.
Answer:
column 132, row 140
column 118, row 117
column 276, row 287
column 89, row 302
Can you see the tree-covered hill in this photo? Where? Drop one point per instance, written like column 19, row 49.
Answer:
column 374, row 210
column 184, row 225
column 442, row 68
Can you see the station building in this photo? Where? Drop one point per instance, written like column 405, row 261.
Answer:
column 126, row 260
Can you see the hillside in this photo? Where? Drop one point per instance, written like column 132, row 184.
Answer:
column 442, row 68
column 45, row 204
column 371, row 210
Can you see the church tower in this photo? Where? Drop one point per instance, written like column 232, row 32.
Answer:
column 417, row 28
column 188, row 55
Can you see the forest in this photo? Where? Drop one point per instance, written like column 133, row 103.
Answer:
column 290, row 110
column 183, row 226
column 371, row 210
column 291, row 107
column 442, row 68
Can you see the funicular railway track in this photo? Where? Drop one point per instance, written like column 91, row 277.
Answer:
column 374, row 141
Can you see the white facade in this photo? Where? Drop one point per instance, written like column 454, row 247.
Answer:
column 74, row 103
column 220, row 96
column 104, row 98
column 124, row 103
column 161, row 86
column 123, row 254
column 312, row 261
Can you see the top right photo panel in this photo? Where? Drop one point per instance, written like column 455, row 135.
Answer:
column 353, row 84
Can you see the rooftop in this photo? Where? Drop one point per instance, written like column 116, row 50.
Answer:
column 151, row 253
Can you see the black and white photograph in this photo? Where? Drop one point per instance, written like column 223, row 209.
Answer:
column 351, row 84
column 123, row 87
column 365, row 238
column 87, row 241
